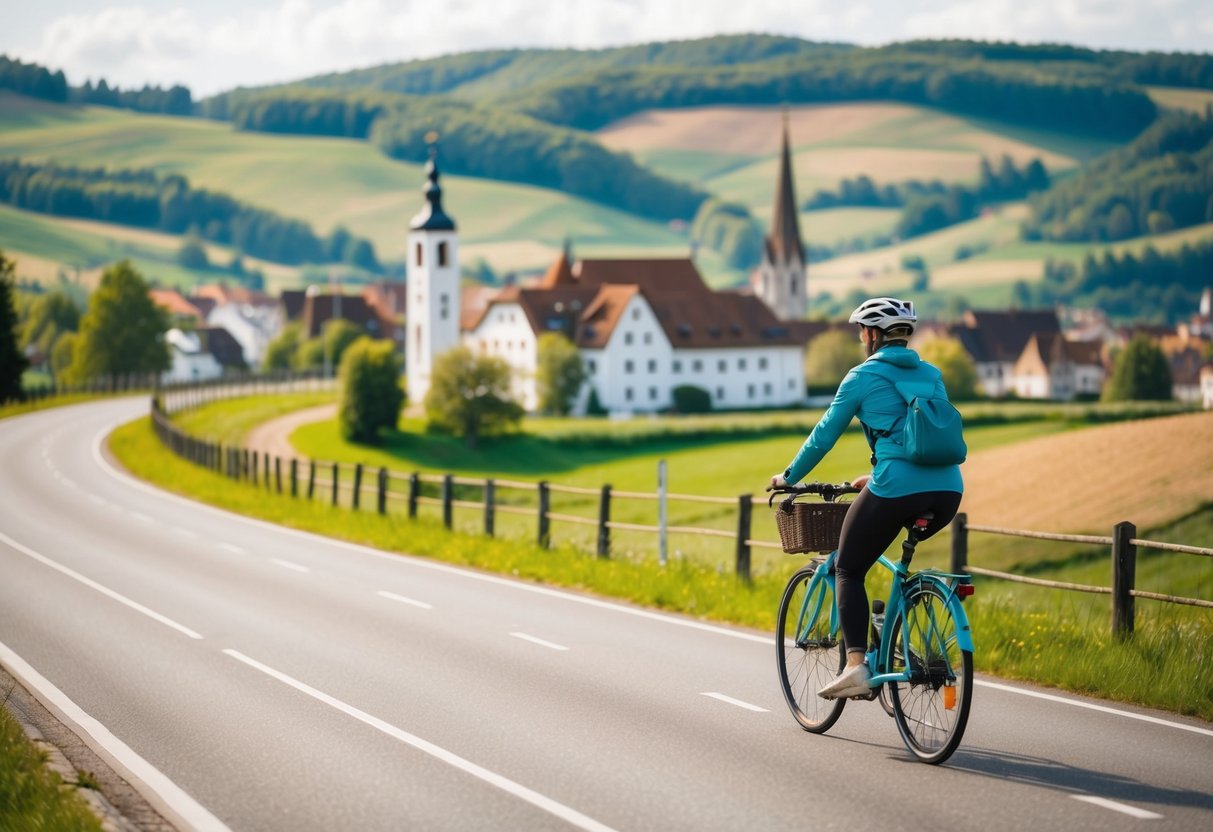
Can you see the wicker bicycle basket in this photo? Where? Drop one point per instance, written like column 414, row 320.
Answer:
column 810, row 527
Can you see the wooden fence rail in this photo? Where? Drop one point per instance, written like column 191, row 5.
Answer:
column 387, row 485
column 1123, row 542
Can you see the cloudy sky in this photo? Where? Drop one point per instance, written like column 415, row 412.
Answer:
column 213, row 45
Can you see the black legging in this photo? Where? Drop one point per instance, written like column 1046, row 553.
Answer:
column 871, row 524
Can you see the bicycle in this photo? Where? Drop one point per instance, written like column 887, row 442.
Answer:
column 921, row 660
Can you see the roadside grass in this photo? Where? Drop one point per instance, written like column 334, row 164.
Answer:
column 1043, row 636
column 31, row 795
column 18, row 408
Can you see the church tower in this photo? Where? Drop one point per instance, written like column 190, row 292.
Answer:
column 433, row 286
column 782, row 279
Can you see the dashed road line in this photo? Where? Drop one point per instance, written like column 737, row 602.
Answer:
column 1124, row 808
column 730, row 700
column 231, row 547
column 286, row 564
column 547, row 804
column 541, row 642
column 410, row 601
column 89, row 582
column 142, row 517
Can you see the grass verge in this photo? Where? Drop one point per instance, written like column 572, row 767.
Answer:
column 31, row 795
column 1050, row 639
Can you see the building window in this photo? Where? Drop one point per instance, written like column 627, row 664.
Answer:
column 719, row 394
column 653, row 394
column 444, row 305
column 791, row 384
column 648, row 337
column 590, row 367
column 741, row 364
column 420, row 260
column 722, row 366
column 677, row 366
column 762, row 363
column 749, row 390
column 652, row 365
column 627, row 338
column 697, row 365
column 767, row 389
column 793, row 285
column 627, row 393
column 628, row 366
column 442, row 257
column 635, row 314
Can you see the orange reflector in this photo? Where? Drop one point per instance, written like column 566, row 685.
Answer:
column 949, row 697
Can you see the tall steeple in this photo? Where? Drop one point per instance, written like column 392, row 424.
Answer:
column 781, row 279
column 431, row 217
column 784, row 239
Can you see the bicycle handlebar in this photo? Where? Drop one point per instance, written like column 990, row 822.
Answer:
column 828, row 491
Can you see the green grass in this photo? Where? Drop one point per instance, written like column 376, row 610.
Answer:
column 1038, row 635
column 31, row 795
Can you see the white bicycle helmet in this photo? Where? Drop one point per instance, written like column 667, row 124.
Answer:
column 883, row 313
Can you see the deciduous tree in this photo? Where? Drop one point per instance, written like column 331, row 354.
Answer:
column 469, row 396
column 12, row 359
column 959, row 372
column 371, row 396
column 122, row 331
column 1140, row 372
column 559, row 374
column 830, row 356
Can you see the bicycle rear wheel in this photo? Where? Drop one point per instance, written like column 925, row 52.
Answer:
column 932, row 708
column 809, row 649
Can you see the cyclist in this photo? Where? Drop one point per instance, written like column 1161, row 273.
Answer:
column 897, row 491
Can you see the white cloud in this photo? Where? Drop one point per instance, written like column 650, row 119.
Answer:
column 267, row 41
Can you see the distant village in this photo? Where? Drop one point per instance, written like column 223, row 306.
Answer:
column 645, row 326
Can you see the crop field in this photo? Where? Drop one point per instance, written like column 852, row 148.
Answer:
column 1180, row 98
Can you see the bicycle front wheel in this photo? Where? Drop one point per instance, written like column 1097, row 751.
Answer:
column 931, row 708
column 809, row 649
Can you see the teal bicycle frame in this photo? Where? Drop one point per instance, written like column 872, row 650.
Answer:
column 904, row 585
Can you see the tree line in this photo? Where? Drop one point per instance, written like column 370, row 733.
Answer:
column 36, row 81
column 1161, row 181
column 147, row 199
column 476, row 141
column 1163, row 287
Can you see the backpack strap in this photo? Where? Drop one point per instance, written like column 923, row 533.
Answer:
column 908, row 390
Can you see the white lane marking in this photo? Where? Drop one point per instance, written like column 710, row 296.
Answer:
column 1101, row 708
column 89, row 582
column 69, row 483
column 543, row 802
column 236, row 550
column 422, row 563
column 736, row 702
column 411, row 601
column 1142, row 814
column 163, row 793
column 183, row 532
column 98, row 500
column 548, row 644
column 286, row 564
column 143, row 517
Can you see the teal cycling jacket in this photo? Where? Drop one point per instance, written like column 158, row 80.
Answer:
column 867, row 393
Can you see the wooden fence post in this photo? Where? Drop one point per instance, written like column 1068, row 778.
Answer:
column 490, row 500
column 278, row 474
column 545, row 529
column 294, row 477
column 604, row 517
column 255, row 466
column 447, row 496
column 311, row 478
column 414, row 489
column 336, row 477
column 745, row 511
column 357, row 500
column 960, row 543
column 266, row 464
column 1124, row 571
column 382, row 496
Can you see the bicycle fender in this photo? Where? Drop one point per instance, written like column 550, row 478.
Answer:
column 922, row 582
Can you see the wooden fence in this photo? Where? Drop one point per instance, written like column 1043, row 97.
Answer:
column 1123, row 542
column 362, row 488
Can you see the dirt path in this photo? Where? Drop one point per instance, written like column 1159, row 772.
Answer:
column 273, row 437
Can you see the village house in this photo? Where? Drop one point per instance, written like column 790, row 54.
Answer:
column 1053, row 367
column 995, row 340
column 201, row 354
column 643, row 326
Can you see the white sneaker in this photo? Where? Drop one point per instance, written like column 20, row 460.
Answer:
column 851, row 682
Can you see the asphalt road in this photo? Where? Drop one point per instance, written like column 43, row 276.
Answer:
column 257, row 678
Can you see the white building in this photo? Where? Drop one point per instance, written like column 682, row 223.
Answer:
column 643, row 328
column 190, row 360
column 433, row 286
column 1052, row 367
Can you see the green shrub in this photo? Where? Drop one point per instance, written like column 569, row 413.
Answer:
column 371, row 397
column 691, row 399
